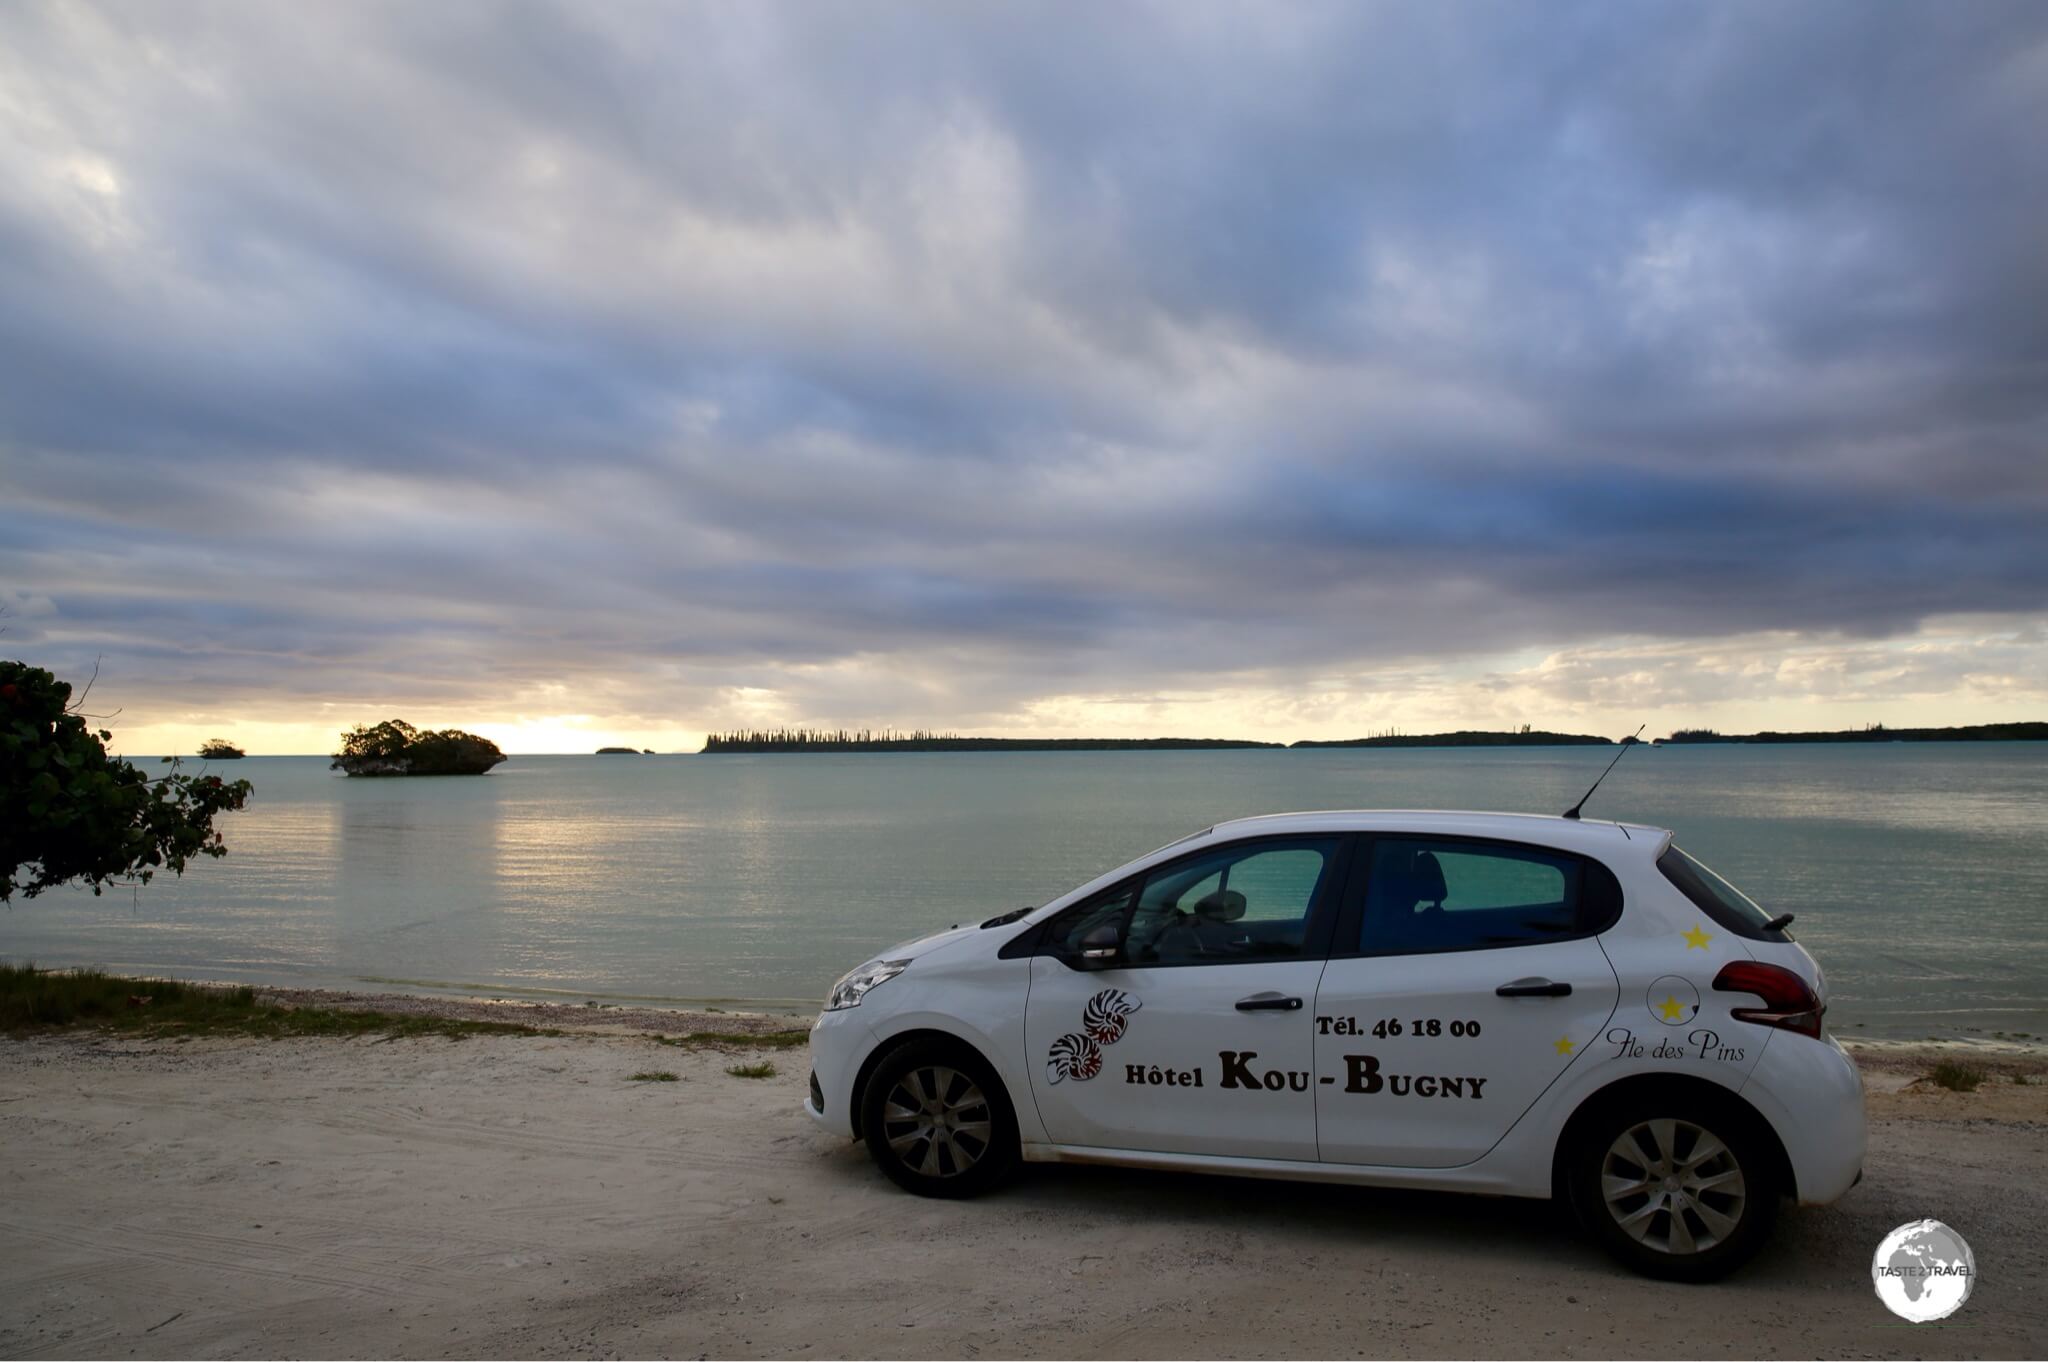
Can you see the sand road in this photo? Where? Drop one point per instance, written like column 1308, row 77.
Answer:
column 508, row 1196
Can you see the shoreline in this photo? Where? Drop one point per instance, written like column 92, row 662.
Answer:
column 407, row 996
column 591, row 1018
column 744, row 1016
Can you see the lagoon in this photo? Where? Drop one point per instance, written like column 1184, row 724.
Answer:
column 1919, row 872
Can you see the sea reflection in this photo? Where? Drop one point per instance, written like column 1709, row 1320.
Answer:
column 1915, row 870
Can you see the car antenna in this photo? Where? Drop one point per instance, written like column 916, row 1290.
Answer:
column 1626, row 743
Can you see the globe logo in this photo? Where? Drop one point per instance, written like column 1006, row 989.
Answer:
column 1923, row 1271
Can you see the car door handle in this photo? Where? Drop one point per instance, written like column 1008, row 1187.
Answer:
column 1534, row 988
column 1269, row 1002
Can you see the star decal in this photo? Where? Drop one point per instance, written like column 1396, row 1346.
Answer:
column 1696, row 937
column 1671, row 1009
column 1564, row 1045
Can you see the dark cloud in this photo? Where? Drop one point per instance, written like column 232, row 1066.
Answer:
column 898, row 356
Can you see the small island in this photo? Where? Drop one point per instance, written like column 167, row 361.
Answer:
column 618, row 751
column 1522, row 737
column 396, row 748
column 865, row 740
column 219, row 749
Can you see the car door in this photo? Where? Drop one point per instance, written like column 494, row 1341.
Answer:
column 1463, row 980
column 1192, row 1035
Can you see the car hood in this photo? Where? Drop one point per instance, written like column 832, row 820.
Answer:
column 925, row 945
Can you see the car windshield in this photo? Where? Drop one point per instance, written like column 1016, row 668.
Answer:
column 1715, row 897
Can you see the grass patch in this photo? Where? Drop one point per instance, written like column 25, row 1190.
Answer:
column 52, row 1000
column 2021, row 1079
column 1957, row 1076
column 652, row 1076
column 765, row 1069
column 767, row 1040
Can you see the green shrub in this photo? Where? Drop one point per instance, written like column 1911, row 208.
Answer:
column 1957, row 1076
column 765, row 1069
column 767, row 1040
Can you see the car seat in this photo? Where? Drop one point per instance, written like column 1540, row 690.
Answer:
column 1204, row 928
column 1409, row 905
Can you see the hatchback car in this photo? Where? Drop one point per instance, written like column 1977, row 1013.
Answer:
column 1493, row 1003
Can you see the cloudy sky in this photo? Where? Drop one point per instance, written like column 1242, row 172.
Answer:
column 616, row 372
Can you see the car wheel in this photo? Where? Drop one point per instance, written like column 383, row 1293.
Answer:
column 1677, row 1188
column 937, row 1120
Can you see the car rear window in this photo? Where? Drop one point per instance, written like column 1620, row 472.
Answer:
column 1717, row 898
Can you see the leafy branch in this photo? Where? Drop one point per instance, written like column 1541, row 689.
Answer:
column 75, row 813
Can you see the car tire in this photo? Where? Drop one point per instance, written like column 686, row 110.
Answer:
column 937, row 1120
column 1675, row 1186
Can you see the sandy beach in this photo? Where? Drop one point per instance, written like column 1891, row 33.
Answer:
column 508, row 1196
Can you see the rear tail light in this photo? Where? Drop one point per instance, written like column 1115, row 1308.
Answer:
column 1788, row 1001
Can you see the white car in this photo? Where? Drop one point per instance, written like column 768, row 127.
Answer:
column 1496, row 1003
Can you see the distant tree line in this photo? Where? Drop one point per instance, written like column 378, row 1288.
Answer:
column 2014, row 732
column 924, row 740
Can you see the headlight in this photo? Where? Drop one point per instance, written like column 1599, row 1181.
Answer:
column 855, row 984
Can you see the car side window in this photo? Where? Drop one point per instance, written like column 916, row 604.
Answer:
column 1111, row 907
column 1440, row 894
column 1248, row 902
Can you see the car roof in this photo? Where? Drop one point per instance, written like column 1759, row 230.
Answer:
column 1567, row 834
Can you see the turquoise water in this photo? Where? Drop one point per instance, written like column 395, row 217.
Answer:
column 1919, row 872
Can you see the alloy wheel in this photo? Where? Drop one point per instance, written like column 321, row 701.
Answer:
column 936, row 1121
column 1673, row 1186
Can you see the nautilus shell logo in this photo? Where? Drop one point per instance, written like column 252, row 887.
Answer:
column 1073, row 1056
column 1078, row 1054
column 1107, row 1015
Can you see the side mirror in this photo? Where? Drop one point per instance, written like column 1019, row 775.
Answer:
column 1102, row 946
